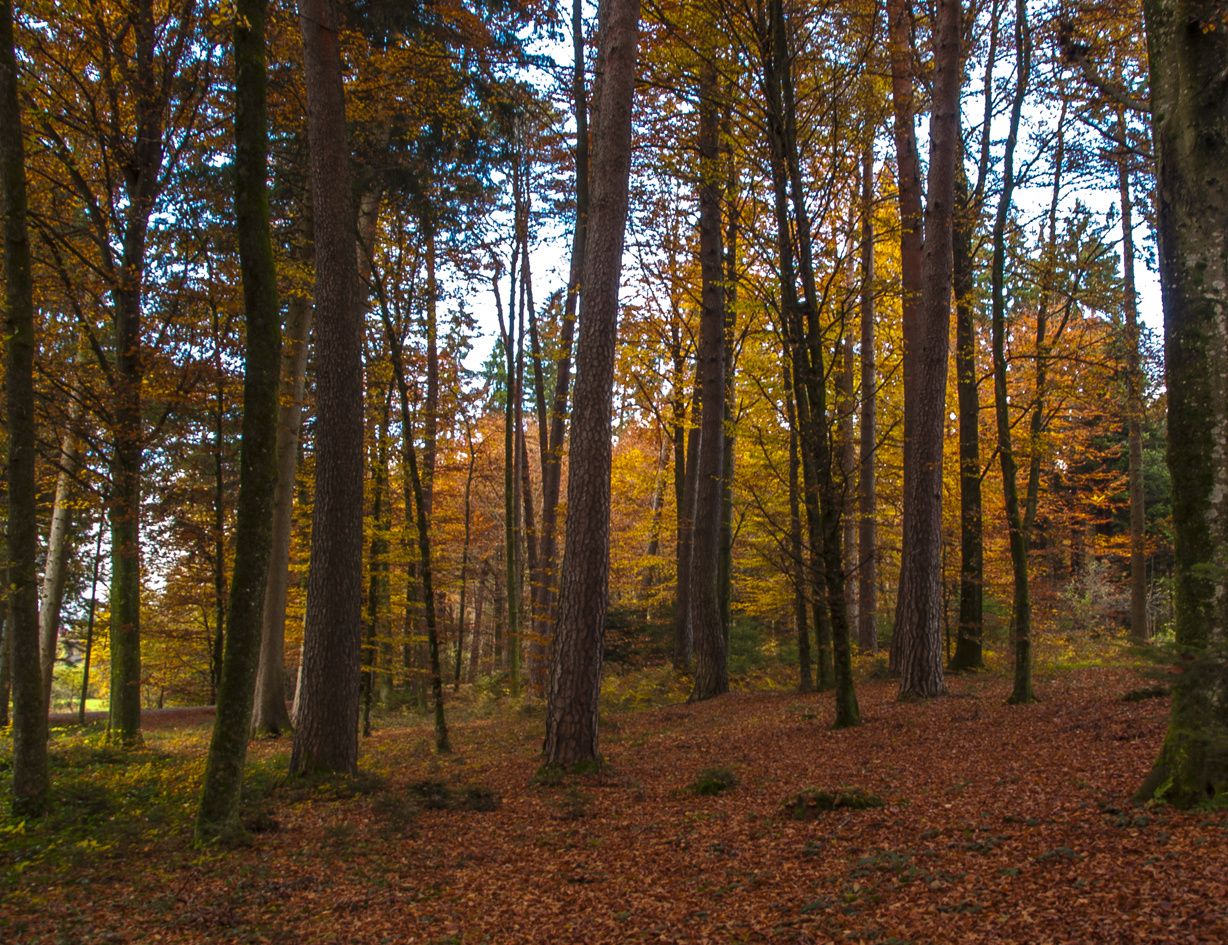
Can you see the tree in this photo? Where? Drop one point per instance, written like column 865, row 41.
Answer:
column 1187, row 43
column 326, row 736
column 711, row 671
column 575, row 672
column 918, row 617
column 218, row 813
column 31, row 782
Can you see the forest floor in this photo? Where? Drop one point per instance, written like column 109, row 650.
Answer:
column 999, row 824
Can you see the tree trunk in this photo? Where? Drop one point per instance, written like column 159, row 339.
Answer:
column 89, row 632
column 918, row 623
column 1139, row 631
column 31, row 781
column 1188, row 59
column 867, row 478
column 684, row 626
column 805, row 682
column 908, row 178
column 1021, row 618
column 326, row 737
column 218, row 813
column 711, row 669
column 59, row 544
column 968, row 636
column 575, row 672
column 270, row 717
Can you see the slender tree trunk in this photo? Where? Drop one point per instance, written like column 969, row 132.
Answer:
column 30, row 778
column 1139, row 631
column 326, row 737
column 464, row 574
column 270, row 717
column 575, row 672
column 51, row 595
column 867, row 477
column 218, row 813
column 1021, row 619
column 684, row 627
column 89, row 630
column 711, row 670
column 968, row 637
column 845, row 401
column 797, row 560
column 1188, row 60
column 377, row 566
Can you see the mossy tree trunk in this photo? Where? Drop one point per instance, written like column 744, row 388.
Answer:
column 218, row 813
column 1188, row 55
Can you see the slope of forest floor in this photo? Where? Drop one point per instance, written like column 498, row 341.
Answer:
column 998, row 824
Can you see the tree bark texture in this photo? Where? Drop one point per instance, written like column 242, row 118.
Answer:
column 867, row 475
column 918, row 623
column 218, row 813
column 711, row 669
column 326, row 737
column 1188, row 58
column 270, row 717
column 30, row 778
column 575, row 672
column 968, row 650
column 51, row 595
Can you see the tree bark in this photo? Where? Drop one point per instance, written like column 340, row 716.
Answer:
column 31, row 781
column 575, row 672
column 918, row 623
column 326, row 737
column 1188, row 61
column 867, row 478
column 711, row 669
column 1021, row 618
column 51, row 595
column 218, row 813
column 270, row 717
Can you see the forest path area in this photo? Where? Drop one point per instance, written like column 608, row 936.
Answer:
column 1000, row 824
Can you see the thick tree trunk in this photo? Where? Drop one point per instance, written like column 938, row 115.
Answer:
column 711, row 670
column 918, row 623
column 326, row 737
column 1188, row 58
column 30, row 778
column 575, row 672
column 908, row 182
column 218, row 813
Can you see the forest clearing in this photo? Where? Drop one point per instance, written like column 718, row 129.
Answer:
column 999, row 824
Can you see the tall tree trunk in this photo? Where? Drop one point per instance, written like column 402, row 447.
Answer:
column 59, row 544
column 31, row 781
column 968, row 636
column 1188, row 60
column 1134, row 402
column 867, row 474
column 218, row 813
column 89, row 631
column 511, row 532
column 377, row 565
column 464, row 574
column 845, row 405
column 1021, row 618
column 918, row 624
column 270, row 717
column 552, row 458
column 805, row 682
column 684, row 627
column 908, row 177
column 326, row 737
column 711, row 670
column 575, row 672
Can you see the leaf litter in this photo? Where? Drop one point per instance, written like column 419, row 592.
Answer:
column 957, row 820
